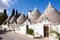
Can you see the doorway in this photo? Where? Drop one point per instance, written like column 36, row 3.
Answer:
column 26, row 29
column 46, row 31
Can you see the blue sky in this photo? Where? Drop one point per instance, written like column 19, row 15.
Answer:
column 25, row 5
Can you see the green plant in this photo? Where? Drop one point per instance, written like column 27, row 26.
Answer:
column 31, row 31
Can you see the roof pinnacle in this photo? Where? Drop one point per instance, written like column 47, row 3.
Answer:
column 35, row 8
column 49, row 3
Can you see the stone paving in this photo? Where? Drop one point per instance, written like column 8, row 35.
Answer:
column 15, row 36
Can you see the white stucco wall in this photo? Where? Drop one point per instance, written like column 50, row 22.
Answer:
column 22, row 30
column 56, row 28
column 38, row 30
column 53, row 36
column 31, row 26
column 4, row 26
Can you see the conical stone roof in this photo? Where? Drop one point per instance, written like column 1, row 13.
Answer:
column 21, row 19
column 13, row 19
column 51, row 13
column 34, row 15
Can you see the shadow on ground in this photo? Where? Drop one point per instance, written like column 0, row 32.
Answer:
column 3, row 31
column 1, row 38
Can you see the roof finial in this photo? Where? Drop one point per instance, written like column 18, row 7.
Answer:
column 49, row 3
column 35, row 7
column 22, row 12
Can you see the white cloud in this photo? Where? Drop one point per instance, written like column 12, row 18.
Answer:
column 6, row 4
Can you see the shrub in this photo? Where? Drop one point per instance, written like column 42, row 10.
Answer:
column 31, row 31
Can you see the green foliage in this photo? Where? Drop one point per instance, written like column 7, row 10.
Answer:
column 0, row 18
column 31, row 31
column 0, row 14
column 17, row 14
column 13, row 12
column 4, row 15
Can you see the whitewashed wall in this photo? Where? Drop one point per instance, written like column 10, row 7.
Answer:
column 21, row 29
column 56, row 28
column 39, row 30
column 4, row 26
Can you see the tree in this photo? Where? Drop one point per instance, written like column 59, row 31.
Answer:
column 13, row 12
column 17, row 14
column 4, row 15
column 0, row 18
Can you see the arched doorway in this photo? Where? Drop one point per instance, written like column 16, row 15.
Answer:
column 46, row 31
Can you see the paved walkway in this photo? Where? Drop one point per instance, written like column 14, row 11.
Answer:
column 15, row 36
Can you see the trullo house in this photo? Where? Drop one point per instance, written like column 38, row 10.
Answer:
column 41, row 24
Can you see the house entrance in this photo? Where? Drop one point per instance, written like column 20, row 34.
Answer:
column 26, row 28
column 46, row 31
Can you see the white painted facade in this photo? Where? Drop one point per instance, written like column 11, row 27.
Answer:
column 39, row 30
column 21, row 30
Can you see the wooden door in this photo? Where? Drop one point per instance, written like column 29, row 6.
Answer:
column 46, row 31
